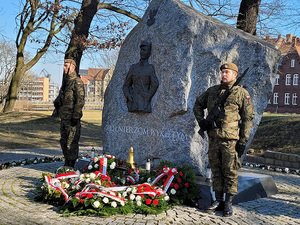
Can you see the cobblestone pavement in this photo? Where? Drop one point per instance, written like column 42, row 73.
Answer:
column 17, row 189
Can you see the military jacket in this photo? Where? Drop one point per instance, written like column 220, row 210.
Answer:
column 238, row 110
column 72, row 98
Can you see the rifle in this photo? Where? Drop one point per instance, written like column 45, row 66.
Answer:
column 216, row 112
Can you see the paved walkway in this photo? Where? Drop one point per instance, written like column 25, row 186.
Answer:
column 17, row 189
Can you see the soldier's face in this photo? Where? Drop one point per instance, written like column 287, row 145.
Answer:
column 145, row 52
column 228, row 75
column 68, row 68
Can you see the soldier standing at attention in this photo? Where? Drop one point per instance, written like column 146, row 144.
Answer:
column 228, row 139
column 69, row 103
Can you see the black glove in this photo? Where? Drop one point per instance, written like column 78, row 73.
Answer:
column 240, row 149
column 204, row 125
column 74, row 122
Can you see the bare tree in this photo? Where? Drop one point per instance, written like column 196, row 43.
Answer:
column 47, row 19
column 7, row 65
column 248, row 14
column 34, row 17
column 267, row 16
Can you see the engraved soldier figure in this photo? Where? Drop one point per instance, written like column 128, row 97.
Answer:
column 228, row 139
column 141, row 82
column 69, row 104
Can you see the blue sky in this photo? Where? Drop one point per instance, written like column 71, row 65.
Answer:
column 53, row 62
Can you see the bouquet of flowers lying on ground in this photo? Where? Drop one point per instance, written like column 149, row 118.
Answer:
column 103, row 189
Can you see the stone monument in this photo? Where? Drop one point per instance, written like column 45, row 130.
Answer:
column 187, row 51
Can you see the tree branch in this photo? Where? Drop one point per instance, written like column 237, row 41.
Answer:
column 118, row 10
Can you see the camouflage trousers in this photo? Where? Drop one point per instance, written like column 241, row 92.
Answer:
column 224, row 163
column 69, row 138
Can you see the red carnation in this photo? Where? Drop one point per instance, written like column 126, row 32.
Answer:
column 147, row 189
column 90, row 195
column 81, row 201
column 142, row 196
column 148, row 201
column 179, row 180
column 171, row 185
column 181, row 174
column 155, row 202
column 187, row 185
column 176, row 186
column 130, row 171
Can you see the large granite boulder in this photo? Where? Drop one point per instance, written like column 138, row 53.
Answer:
column 187, row 51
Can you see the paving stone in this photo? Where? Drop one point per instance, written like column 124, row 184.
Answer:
column 285, row 157
column 18, row 186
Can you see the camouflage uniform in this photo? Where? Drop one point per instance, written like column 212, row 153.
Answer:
column 71, row 98
column 222, row 155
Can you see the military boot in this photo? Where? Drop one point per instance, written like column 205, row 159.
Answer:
column 72, row 163
column 67, row 162
column 216, row 204
column 228, row 205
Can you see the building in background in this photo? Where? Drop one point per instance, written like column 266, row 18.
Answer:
column 38, row 93
column 284, row 98
column 36, row 89
column 95, row 83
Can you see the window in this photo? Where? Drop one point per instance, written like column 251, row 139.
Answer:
column 275, row 98
column 288, row 79
column 287, row 98
column 277, row 79
column 294, row 99
column 295, row 79
column 293, row 63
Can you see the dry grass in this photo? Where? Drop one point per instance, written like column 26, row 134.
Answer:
column 278, row 132
column 19, row 130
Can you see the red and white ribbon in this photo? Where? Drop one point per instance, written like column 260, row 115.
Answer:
column 58, row 187
column 103, row 165
column 166, row 172
column 131, row 179
column 95, row 189
column 137, row 177
column 66, row 176
column 109, row 156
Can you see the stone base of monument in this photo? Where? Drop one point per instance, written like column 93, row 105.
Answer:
column 82, row 163
column 251, row 186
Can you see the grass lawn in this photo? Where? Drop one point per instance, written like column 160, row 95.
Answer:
column 19, row 130
column 278, row 132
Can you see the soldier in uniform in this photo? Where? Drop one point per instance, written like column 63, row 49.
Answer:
column 69, row 104
column 227, row 141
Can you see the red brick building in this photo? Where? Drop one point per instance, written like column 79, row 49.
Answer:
column 287, row 88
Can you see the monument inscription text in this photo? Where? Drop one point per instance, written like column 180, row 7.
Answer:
column 145, row 131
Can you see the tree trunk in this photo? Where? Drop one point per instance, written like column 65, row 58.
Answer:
column 248, row 14
column 80, row 32
column 13, row 89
